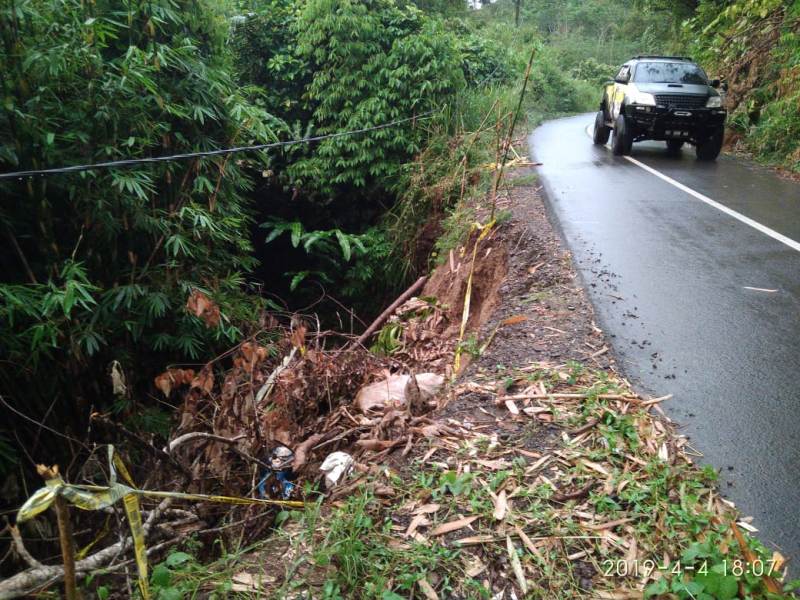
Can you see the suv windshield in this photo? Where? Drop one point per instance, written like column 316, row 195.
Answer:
column 669, row 72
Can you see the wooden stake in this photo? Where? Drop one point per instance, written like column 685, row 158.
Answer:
column 67, row 548
column 64, row 535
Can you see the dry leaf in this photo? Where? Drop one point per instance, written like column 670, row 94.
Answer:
column 298, row 338
column 620, row 594
column 417, row 521
column 475, row 539
column 516, row 565
column 608, row 525
column 528, row 543
column 427, row 589
column 494, row 465
column 771, row 584
column 426, row 509
column 514, row 320
column 118, row 383
column 204, row 380
column 595, row 466
column 203, row 307
column 173, row 378
column 474, row 567
column 500, row 506
column 747, row 527
column 453, row 525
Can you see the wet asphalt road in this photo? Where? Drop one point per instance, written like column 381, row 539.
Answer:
column 668, row 275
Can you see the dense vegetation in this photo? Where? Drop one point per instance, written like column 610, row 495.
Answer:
column 101, row 265
column 755, row 46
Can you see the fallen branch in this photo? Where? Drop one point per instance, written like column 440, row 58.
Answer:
column 500, row 400
column 584, row 428
column 155, row 452
column 194, row 435
column 377, row 323
column 22, row 583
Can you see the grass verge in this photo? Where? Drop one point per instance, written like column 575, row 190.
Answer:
column 591, row 494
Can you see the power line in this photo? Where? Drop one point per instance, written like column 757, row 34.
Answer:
column 130, row 162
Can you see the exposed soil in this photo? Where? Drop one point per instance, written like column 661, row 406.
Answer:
column 448, row 283
column 553, row 320
column 543, row 287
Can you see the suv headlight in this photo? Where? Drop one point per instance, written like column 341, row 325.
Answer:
column 714, row 102
column 643, row 99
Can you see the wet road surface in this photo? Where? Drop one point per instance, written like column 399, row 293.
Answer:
column 694, row 271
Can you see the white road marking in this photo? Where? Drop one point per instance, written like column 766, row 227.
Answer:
column 721, row 207
column 755, row 289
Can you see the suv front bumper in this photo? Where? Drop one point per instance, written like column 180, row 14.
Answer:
column 660, row 123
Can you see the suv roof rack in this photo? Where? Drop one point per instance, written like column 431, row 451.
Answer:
column 640, row 56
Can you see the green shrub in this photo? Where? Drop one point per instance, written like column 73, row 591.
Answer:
column 104, row 260
column 373, row 61
column 754, row 45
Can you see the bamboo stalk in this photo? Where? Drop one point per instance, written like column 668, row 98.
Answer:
column 510, row 135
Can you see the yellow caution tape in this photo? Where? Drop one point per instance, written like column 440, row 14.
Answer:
column 134, row 515
column 98, row 497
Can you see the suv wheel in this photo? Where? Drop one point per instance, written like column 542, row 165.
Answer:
column 601, row 130
column 674, row 146
column 623, row 138
column 710, row 148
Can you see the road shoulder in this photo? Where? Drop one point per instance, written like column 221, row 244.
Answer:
column 540, row 473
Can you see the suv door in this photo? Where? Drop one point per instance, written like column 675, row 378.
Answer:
column 619, row 89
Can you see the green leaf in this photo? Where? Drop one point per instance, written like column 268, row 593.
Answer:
column 161, row 576
column 722, row 587
column 297, row 233
column 297, row 279
column 276, row 231
column 176, row 559
column 311, row 239
column 656, row 588
column 171, row 593
column 344, row 244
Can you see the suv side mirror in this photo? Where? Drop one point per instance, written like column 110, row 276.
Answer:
column 625, row 79
column 715, row 83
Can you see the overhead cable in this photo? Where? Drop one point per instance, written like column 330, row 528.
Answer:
column 131, row 162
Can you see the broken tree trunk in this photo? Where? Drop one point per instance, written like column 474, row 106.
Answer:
column 376, row 324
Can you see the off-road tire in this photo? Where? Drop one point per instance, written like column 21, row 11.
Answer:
column 710, row 148
column 601, row 130
column 674, row 146
column 622, row 141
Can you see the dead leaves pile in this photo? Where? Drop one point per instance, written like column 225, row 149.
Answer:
column 424, row 343
column 559, row 524
column 292, row 392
